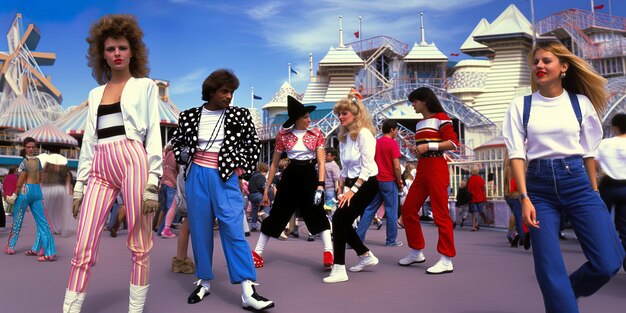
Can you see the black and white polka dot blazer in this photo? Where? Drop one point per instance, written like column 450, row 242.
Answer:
column 241, row 146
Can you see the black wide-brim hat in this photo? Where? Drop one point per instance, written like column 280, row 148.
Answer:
column 296, row 110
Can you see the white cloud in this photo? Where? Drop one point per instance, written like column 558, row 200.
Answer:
column 188, row 82
column 265, row 11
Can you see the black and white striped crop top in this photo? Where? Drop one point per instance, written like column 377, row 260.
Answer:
column 110, row 123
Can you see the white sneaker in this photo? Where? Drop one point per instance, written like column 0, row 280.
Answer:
column 440, row 268
column 337, row 274
column 365, row 261
column 412, row 259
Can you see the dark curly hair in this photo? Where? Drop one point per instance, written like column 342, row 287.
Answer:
column 218, row 79
column 116, row 26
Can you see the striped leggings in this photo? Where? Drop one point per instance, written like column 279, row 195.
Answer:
column 33, row 199
column 119, row 166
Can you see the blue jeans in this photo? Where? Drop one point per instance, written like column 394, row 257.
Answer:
column 516, row 208
column 556, row 185
column 387, row 193
column 255, row 199
column 167, row 194
column 615, row 196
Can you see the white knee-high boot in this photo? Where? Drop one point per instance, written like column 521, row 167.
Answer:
column 73, row 301
column 137, row 298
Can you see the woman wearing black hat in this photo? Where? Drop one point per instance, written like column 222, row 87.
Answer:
column 300, row 185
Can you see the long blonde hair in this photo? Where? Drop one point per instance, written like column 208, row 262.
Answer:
column 362, row 118
column 581, row 77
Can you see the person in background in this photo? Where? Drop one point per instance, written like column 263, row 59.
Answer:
column 331, row 181
column 511, row 196
column 57, row 190
column 463, row 198
column 29, row 195
column 9, row 186
column 476, row 188
column 553, row 166
column 121, row 152
column 389, row 179
column 167, row 193
column 256, row 187
column 181, row 263
column 612, row 159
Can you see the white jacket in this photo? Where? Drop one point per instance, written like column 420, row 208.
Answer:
column 140, row 111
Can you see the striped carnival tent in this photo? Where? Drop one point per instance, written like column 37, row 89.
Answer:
column 73, row 122
column 168, row 113
column 48, row 133
column 21, row 115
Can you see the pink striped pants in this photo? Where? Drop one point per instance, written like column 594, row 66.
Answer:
column 119, row 166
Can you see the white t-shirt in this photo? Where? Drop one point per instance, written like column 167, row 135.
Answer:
column 207, row 130
column 299, row 150
column 553, row 130
column 612, row 157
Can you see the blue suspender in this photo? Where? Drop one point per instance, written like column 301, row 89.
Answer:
column 573, row 100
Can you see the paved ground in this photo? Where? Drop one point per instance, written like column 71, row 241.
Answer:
column 489, row 277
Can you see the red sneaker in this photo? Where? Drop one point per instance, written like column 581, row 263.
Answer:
column 47, row 258
column 8, row 250
column 258, row 260
column 328, row 259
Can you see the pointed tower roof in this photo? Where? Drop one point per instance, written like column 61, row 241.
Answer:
column 280, row 97
column 21, row 115
column 424, row 52
column 342, row 55
column 510, row 24
column 470, row 44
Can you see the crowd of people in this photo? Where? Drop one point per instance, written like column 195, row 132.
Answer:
column 200, row 177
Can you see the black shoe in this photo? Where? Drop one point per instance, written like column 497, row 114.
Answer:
column 311, row 238
column 453, row 225
column 256, row 302
column 527, row 241
column 515, row 242
column 247, row 234
column 561, row 236
column 198, row 294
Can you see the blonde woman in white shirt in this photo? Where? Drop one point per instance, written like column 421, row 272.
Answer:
column 561, row 173
column 357, row 147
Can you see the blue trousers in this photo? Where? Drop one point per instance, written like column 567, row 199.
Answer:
column 33, row 199
column 516, row 208
column 209, row 197
column 255, row 199
column 167, row 196
column 387, row 193
column 556, row 185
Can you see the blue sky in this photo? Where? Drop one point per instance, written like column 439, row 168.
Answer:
column 187, row 39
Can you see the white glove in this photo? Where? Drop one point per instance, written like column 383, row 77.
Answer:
column 319, row 195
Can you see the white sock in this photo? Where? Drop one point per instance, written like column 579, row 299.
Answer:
column 206, row 283
column 326, row 240
column 446, row 259
column 260, row 245
column 415, row 252
column 246, row 287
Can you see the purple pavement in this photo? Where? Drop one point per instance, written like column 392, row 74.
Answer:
column 489, row 277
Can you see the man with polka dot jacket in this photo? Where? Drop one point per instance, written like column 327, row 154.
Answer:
column 217, row 143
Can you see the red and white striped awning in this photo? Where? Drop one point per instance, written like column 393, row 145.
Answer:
column 168, row 113
column 48, row 133
column 21, row 115
column 73, row 122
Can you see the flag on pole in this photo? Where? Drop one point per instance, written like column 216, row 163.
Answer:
column 599, row 7
column 356, row 34
column 256, row 97
column 293, row 71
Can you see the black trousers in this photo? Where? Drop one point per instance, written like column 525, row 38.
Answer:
column 342, row 221
column 296, row 190
column 3, row 218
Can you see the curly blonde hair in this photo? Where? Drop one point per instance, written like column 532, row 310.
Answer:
column 580, row 78
column 362, row 118
column 116, row 26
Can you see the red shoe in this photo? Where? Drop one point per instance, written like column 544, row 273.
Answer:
column 258, row 260
column 47, row 258
column 328, row 259
column 8, row 250
column 30, row 252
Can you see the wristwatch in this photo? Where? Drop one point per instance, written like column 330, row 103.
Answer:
column 523, row 195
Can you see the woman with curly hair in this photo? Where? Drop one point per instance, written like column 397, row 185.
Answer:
column 357, row 146
column 561, row 174
column 121, row 152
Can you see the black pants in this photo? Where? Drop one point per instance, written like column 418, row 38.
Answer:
column 342, row 221
column 3, row 218
column 296, row 190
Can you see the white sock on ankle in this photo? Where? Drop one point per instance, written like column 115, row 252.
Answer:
column 260, row 245
column 446, row 259
column 415, row 252
column 326, row 240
